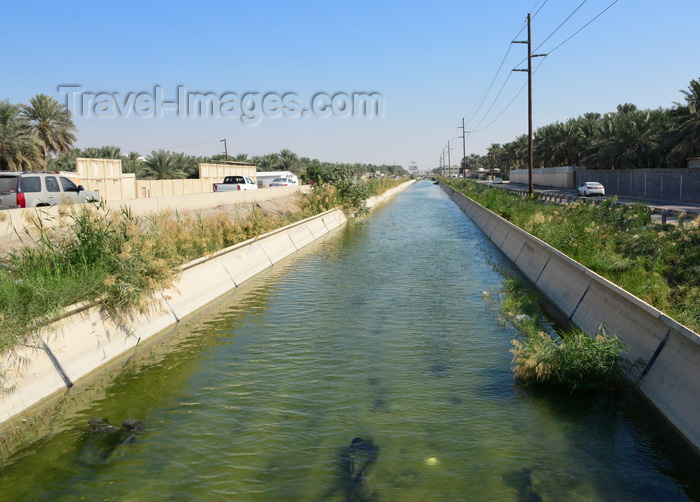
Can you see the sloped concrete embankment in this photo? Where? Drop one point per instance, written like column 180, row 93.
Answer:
column 85, row 340
column 671, row 379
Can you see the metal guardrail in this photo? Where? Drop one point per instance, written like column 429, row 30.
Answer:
column 563, row 199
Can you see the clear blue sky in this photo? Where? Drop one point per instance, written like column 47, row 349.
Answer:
column 431, row 61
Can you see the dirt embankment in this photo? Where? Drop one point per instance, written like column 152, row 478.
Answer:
column 236, row 212
column 274, row 207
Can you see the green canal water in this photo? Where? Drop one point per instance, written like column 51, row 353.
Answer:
column 378, row 331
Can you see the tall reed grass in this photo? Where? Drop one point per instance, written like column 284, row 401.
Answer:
column 658, row 263
column 88, row 253
column 567, row 358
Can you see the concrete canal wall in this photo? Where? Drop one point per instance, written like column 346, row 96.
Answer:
column 86, row 339
column 671, row 379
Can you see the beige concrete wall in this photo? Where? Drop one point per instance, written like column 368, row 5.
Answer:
column 671, row 380
column 559, row 177
column 105, row 176
column 215, row 173
column 86, row 340
column 166, row 188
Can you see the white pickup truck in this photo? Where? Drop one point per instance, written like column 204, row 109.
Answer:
column 235, row 183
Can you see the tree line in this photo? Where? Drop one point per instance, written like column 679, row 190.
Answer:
column 628, row 138
column 163, row 164
column 41, row 136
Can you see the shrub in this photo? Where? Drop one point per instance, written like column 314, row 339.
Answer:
column 573, row 360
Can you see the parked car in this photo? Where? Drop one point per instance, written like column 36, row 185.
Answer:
column 235, row 183
column 283, row 182
column 22, row 189
column 498, row 181
column 591, row 188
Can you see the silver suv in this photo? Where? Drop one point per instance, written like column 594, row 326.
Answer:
column 35, row 189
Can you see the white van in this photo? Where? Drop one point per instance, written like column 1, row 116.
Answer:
column 267, row 177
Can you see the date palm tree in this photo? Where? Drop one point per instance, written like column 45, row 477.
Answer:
column 161, row 165
column 686, row 133
column 267, row 162
column 20, row 149
column 287, row 160
column 51, row 122
column 103, row 152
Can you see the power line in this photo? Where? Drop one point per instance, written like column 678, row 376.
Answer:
column 562, row 24
column 177, row 146
column 494, row 102
column 491, row 84
column 493, row 80
column 488, row 89
column 476, row 128
column 538, row 10
column 584, row 26
column 512, row 100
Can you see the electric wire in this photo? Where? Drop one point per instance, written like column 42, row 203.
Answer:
column 471, row 116
column 584, row 26
column 562, row 24
column 176, row 146
column 511, row 101
column 538, row 10
column 542, row 61
column 477, row 129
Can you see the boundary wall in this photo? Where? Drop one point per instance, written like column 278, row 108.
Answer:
column 682, row 185
column 83, row 341
column 671, row 378
column 559, row 177
column 105, row 176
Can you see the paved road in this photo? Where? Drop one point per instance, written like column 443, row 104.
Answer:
column 663, row 204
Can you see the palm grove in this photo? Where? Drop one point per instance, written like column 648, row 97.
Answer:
column 628, row 138
column 40, row 135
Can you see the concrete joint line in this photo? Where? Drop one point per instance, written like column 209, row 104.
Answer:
column 266, row 255
column 506, row 237
column 651, row 362
column 56, row 364
column 493, row 230
column 518, row 256
column 292, row 241
column 177, row 319
column 323, row 220
column 230, row 276
column 313, row 234
column 549, row 257
column 580, row 300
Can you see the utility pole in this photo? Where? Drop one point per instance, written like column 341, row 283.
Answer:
column 449, row 161
column 531, row 150
column 464, row 148
column 225, row 148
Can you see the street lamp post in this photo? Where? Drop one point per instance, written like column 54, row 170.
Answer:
column 225, row 148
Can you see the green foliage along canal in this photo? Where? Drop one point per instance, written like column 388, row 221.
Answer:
column 378, row 331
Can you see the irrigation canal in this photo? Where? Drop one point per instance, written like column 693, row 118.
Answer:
column 377, row 331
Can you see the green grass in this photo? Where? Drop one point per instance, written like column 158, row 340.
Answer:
column 568, row 358
column 92, row 254
column 659, row 264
